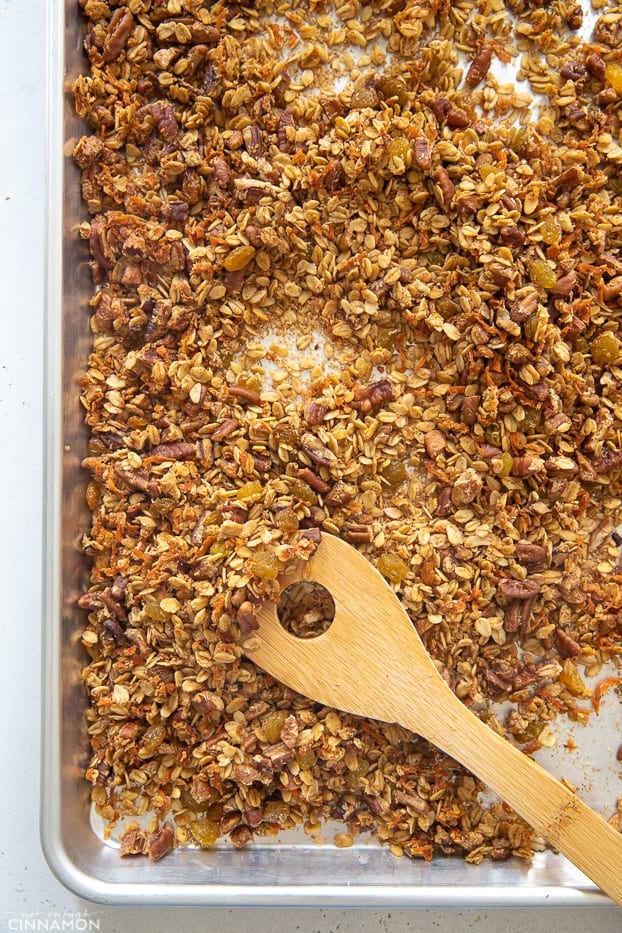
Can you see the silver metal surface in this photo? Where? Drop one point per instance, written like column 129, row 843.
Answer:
column 290, row 871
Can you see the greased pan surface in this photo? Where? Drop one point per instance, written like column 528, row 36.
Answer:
column 290, row 871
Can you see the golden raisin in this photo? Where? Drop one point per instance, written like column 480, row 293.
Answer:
column 250, row 491
column 276, row 811
column 385, row 338
column 542, row 273
column 265, row 565
column 393, row 568
column 303, row 492
column 613, row 76
column 550, row 231
column 218, row 549
column 287, row 521
column 152, row 739
column 606, row 348
column 93, row 495
column 531, row 420
column 239, row 258
column 517, row 140
column 306, row 758
column 153, row 612
column 285, row 434
column 96, row 447
column 394, row 88
column 204, row 832
column 400, row 148
column 272, row 725
column 502, row 466
column 493, row 434
column 531, row 732
column 395, row 474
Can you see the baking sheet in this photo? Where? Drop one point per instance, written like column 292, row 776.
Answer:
column 288, row 870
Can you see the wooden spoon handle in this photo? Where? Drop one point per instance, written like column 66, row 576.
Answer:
column 567, row 823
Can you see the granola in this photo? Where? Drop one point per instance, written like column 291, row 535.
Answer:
column 346, row 279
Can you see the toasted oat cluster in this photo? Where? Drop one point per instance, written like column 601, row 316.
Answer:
column 349, row 276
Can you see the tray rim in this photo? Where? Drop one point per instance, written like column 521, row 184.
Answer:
column 62, row 862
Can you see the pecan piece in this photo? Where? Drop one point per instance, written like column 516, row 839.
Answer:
column 161, row 842
column 596, row 66
column 457, row 118
column 177, row 450
column 221, row 170
column 247, row 395
column 225, row 428
column 289, row 732
column 512, row 236
column 567, row 646
column 499, row 682
column 523, row 467
column 610, row 459
column 339, row 495
column 253, row 140
column 246, row 618
column 254, row 815
column 203, row 34
column 421, row 154
column 356, row 533
column 573, row 71
column 316, row 450
column 163, row 116
column 443, row 507
column 119, row 29
column 519, row 589
column 524, row 306
column 315, row 482
column 466, row 487
column 517, row 615
column 613, row 288
column 234, row 280
column 479, row 67
column 446, row 187
column 241, row 836
column 564, row 285
column 468, row 409
column 334, row 176
column 533, row 556
column 373, row 396
column 314, row 413
column 246, row 774
column 440, row 108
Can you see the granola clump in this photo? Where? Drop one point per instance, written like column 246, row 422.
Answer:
column 348, row 280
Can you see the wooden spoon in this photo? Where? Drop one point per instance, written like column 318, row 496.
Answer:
column 371, row 662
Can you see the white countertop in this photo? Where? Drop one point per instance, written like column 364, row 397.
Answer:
column 30, row 897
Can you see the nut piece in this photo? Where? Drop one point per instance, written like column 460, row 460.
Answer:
column 434, row 443
column 519, row 589
column 533, row 556
column 119, row 29
column 316, row 450
column 466, row 487
column 478, row 69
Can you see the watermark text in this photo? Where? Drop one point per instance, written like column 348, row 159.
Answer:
column 77, row 922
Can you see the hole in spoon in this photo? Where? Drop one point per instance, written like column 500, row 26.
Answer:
column 306, row 609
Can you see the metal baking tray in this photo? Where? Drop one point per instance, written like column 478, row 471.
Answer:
column 292, row 870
